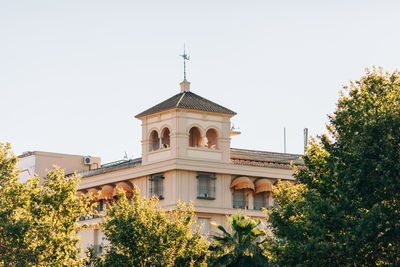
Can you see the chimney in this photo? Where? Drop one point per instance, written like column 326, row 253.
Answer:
column 185, row 86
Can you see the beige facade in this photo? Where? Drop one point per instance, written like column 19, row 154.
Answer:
column 186, row 156
column 38, row 162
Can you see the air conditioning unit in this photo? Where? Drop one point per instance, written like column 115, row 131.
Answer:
column 87, row 160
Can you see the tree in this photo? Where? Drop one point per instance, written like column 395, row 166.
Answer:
column 345, row 209
column 141, row 233
column 241, row 247
column 38, row 223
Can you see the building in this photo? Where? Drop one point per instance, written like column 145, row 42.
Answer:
column 187, row 156
column 38, row 162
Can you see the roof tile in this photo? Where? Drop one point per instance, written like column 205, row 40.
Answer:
column 186, row 100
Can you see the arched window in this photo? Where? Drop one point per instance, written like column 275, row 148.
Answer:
column 212, row 137
column 154, row 141
column 194, row 137
column 165, row 140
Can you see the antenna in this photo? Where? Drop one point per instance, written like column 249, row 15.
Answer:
column 185, row 57
column 305, row 139
column 284, row 139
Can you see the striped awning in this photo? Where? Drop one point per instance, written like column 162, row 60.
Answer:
column 263, row 185
column 126, row 186
column 80, row 193
column 106, row 192
column 94, row 192
column 242, row 182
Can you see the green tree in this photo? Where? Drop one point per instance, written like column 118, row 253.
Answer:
column 242, row 247
column 38, row 223
column 141, row 233
column 346, row 208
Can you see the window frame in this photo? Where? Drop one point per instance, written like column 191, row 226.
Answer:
column 211, row 188
column 157, row 178
column 265, row 202
column 245, row 199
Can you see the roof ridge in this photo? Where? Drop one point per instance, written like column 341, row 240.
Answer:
column 180, row 99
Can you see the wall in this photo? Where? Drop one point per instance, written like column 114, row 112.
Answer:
column 179, row 123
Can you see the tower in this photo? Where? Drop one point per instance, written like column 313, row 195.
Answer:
column 185, row 126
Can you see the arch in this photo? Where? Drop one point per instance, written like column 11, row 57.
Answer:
column 154, row 141
column 195, row 139
column 165, row 138
column 195, row 125
column 215, row 128
column 212, row 138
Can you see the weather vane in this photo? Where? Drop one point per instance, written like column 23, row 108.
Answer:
column 185, row 57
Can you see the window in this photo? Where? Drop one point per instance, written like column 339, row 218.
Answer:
column 165, row 140
column 97, row 211
column 205, row 223
column 156, row 185
column 211, row 138
column 154, row 141
column 240, row 199
column 98, row 242
column 195, row 137
column 206, row 185
column 261, row 200
column 100, row 209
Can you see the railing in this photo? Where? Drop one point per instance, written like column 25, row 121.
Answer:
column 206, row 192
column 240, row 204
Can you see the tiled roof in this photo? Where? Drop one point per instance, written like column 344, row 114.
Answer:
column 187, row 100
column 264, row 158
column 114, row 167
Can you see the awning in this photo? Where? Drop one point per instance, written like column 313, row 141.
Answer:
column 124, row 186
column 80, row 193
column 106, row 192
column 242, row 183
column 263, row 185
column 94, row 192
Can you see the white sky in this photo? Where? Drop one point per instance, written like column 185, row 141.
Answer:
column 73, row 74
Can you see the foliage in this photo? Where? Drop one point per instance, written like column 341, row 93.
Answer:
column 38, row 223
column 141, row 233
column 346, row 208
column 241, row 247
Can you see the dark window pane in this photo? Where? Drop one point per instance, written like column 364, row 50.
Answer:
column 239, row 199
column 206, row 185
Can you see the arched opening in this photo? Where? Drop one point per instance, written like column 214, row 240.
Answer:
column 165, row 140
column 154, row 141
column 194, row 137
column 212, row 138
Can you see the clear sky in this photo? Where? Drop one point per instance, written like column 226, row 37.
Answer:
column 73, row 74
